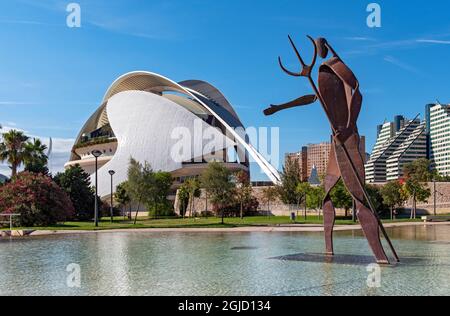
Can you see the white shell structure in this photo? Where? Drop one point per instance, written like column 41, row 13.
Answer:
column 174, row 127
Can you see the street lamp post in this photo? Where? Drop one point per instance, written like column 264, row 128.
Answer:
column 96, row 154
column 112, row 173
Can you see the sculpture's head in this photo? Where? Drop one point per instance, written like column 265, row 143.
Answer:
column 322, row 47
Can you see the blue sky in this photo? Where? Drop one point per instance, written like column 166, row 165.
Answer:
column 53, row 77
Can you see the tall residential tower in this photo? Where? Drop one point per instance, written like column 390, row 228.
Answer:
column 398, row 143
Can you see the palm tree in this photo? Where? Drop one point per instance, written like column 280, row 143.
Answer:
column 12, row 149
column 35, row 158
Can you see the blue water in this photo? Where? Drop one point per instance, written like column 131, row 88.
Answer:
column 127, row 263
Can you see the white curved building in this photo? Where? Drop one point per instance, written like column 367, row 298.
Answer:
column 175, row 127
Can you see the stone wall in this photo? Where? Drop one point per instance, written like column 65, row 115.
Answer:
column 442, row 200
column 277, row 208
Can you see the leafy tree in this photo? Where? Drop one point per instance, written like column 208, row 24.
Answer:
column 269, row 195
column 217, row 181
column 37, row 198
column 393, row 195
column 156, row 198
column 416, row 174
column 419, row 171
column 290, row 178
column 341, row 197
column 376, row 198
column 12, row 150
column 122, row 197
column 183, row 198
column 243, row 190
column 35, row 158
column 77, row 184
column 418, row 191
column 140, row 182
column 302, row 190
column 315, row 197
column 192, row 187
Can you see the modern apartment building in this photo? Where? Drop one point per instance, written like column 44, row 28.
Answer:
column 438, row 129
column 398, row 143
column 315, row 157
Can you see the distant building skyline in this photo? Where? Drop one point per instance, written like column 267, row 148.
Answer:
column 438, row 128
column 316, row 157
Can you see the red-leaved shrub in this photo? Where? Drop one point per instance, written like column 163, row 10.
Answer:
column 37, row 198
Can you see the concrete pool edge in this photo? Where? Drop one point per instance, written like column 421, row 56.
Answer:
column 250, row 229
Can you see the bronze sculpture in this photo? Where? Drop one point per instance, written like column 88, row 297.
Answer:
column 339, row 94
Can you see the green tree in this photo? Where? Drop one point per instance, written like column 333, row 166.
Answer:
column 302, row 190
column 158, row 189
column 140, row 183
column 418, row 192
column 243, row 190
column 270, row 194
column 315, row 197
column 419, row 170
column 192, row 187
column 341, row 197
column 35, row 158
column 393, row 195
column 122, row 197
column 12, row 150
column 290, row 178
column 77, row 184
column 217, row 181
column 183, row 198
column 376, row 198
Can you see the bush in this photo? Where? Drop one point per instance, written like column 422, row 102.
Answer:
column 162, row 209
column 38, row 200
column 77, row 184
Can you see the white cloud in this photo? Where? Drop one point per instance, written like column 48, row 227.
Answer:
column 401, row 64
column 433, row 41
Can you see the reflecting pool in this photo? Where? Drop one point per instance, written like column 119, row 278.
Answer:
column 191, row 264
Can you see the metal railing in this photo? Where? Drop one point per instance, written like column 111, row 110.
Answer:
column 10, row 222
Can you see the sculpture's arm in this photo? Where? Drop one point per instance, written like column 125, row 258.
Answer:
column 302, row 101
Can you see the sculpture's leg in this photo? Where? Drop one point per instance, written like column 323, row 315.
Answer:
column 367, row 219
column 329, row 213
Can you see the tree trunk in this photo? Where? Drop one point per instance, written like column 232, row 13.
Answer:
column 206, row 205
column 137, row 211
column 223, row 216
column 415, row 207
column 190, row 205
column 392, row 213
column 129, row 211
column 306, row 211
column 242, row 210
column 13, row 170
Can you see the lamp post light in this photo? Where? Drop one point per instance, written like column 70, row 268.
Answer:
column 112, row 173
column 96, row 154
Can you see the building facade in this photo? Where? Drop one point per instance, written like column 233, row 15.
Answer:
column 438, row 128
column 398, row 143
column 314, row 158
column 175, row 127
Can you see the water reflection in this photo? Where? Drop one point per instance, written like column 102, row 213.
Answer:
column 131, row 263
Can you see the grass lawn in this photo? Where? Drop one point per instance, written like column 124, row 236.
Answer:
column 211, row 222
